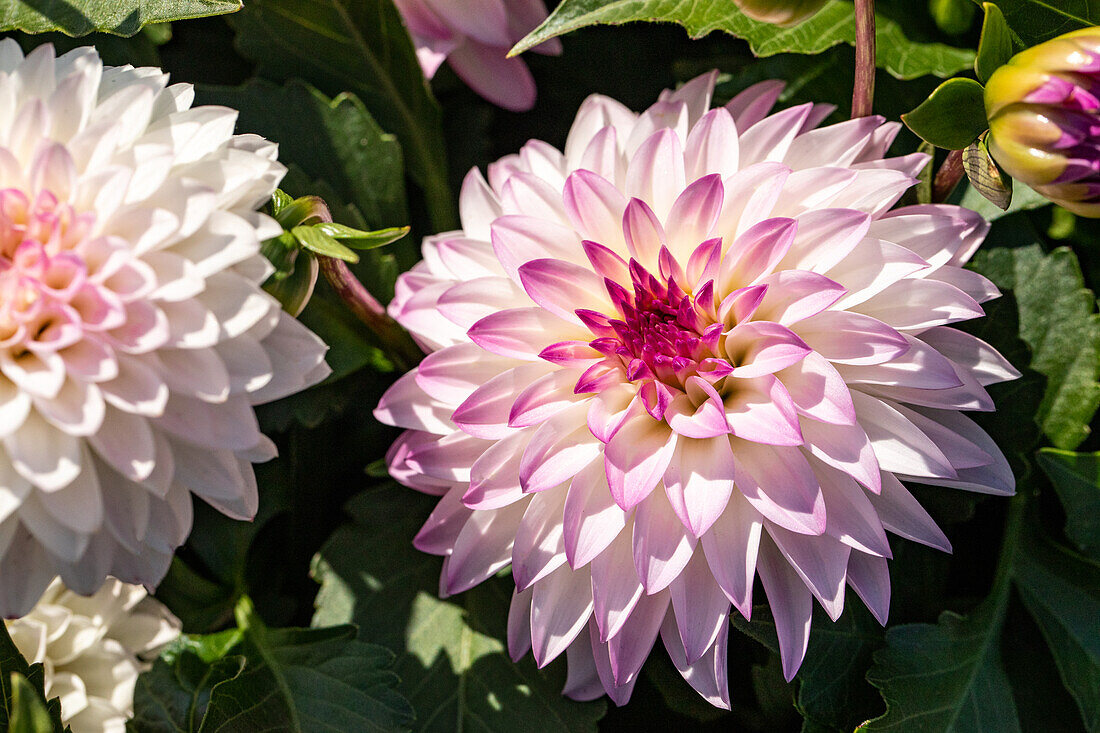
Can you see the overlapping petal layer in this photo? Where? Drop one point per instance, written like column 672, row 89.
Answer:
column 134, row 337
column 695, row 348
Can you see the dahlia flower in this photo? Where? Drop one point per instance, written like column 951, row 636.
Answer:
column 134, row 337
column 1044, row 119
column 93, row 649
column 694, row 348
column 474, row 38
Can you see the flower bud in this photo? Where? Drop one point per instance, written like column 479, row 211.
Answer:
column 780, row 12
column 1044, row 119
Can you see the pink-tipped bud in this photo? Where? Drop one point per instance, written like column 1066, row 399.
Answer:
column 1044, row 119
column 780, row 12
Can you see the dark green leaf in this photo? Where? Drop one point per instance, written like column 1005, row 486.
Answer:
column 308, row 681
column 1062, row 592
column 1058, row 321
column 357, row 46
column 121, row 17
column 454, row 667
column 1035, row 21
column 174, row 694
column 1076, row 478
column 946, row 677
column 13, row 666
column 28, row 711
column 333, row 140
column 952, row 117
column 315, row 240
column 834, row 24
column 995, row 46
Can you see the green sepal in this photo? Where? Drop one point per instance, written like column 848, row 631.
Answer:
column 985, row 175
column 952, row 16
column 359, row 239
column 28, row 714
column 952, row 117
column 280, row 199
column 316, row 241
column 995, row 46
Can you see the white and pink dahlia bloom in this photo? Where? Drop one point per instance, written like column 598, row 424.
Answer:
column 134, row 336
column 474, row 37
column 695, row 348
column 93, row 648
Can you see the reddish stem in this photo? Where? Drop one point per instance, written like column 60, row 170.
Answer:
column 947, row 177
column 367, row 309
column 863, row 91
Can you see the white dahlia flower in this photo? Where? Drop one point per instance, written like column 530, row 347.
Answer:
column 695, row 348
column 134, row 337
column 93, row 649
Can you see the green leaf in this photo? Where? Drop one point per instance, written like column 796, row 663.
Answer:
column 1035, row 21
column 333, row 140
column 358, row 239
column 952, row 117
column 315, row 240
column 28, row 712
column 357, row 46
column 995, row 46
column 953, row 17
column 121, row 17
column 1023, row 198
column 1076, row 478
column 946, row 677
column 985, row 176
column 1062, row 592
column 834, row 24
column 14, row 667
column 307, row 680
column 453, row 666
column 1058, row 321
column 173, row 696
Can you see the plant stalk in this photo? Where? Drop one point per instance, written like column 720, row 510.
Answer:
column 863, row 90
column 404, row 352
column 947, row 177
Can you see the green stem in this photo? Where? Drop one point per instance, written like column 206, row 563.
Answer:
column 1014, row 524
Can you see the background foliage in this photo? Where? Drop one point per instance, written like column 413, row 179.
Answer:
column 319, row 615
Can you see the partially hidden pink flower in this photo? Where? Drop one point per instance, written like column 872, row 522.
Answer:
column 695, row 348
column 474, row 37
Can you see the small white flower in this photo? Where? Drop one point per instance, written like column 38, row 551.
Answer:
column 93, row 649
column 134, row 336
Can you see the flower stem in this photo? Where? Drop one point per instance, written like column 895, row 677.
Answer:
column 863, row 91
column 400, row 348
column 947, row 177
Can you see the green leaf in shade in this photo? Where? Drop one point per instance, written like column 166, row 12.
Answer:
column 1023, row 198
column 952, row 117
column 1058, row 321
column 1076, row 478
column 357, row 46
column 1035, row 21
column 834, row 24
column 306, row 680
column 1062, row 592
column 121, row 17
column 995, row 46
column 28, row 711
column 453, row 664
column 953, row 17
column 332, row 140
column 14, row 667
column 173, row 696
column 946, row 677
column 315, row 240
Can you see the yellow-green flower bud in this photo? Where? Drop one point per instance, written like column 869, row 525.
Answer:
column 1044, row 119
column 780, row 12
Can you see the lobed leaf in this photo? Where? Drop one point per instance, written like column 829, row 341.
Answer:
column 832, row 25
column 120, row 17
